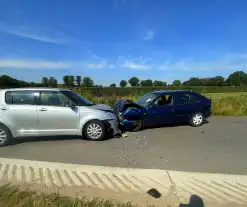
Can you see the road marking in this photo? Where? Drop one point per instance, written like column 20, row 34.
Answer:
column 211, row 187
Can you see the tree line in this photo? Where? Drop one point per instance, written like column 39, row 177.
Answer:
column 237, row 78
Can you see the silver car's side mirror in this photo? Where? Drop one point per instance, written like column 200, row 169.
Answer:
column 153, row 105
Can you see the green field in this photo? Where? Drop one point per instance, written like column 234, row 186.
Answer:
column 224, row 95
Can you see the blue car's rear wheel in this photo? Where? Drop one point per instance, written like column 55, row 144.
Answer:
column 197, row 119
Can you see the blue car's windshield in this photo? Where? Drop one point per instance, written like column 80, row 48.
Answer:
column 146, row 99
column 78, row 99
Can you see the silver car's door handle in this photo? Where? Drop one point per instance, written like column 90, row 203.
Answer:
column 4, row 108
column 42, row 109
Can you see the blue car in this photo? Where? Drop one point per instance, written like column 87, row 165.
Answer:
column 162, row 108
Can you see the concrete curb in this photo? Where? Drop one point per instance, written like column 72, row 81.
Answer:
column 216, row 188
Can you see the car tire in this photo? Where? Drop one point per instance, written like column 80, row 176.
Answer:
column 95, row 130
column 138, row 127
column 197, row 119
column 5, row 136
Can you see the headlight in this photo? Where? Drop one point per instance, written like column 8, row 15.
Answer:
column 111, row 115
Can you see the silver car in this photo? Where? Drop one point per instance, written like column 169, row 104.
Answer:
column 51, row 112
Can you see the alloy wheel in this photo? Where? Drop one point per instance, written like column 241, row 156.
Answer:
column 94, row 131
column 197, row 119
column 3, row 136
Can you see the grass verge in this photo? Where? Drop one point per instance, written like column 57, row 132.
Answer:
column 15, row 197
column 223, row 104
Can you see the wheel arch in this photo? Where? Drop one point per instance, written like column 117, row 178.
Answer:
column 89, row 120
column 11, row 131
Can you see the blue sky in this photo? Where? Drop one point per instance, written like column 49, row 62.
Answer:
column 111, row 40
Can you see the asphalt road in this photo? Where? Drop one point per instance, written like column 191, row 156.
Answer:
column 218, row 146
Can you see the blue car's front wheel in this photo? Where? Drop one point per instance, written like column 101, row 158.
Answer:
column 137, row 125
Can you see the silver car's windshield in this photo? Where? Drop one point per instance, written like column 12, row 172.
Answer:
column 146, row 99
column 76, row 98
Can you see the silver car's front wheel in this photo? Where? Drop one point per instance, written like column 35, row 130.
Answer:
column 95, row 130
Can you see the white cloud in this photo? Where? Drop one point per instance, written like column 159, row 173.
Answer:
column 185, row 64
column 100, row 65
column 135, row 66
column 229, row 62
column 149, row 36
column 237, row 61
column 34, row 64
column 35, row 33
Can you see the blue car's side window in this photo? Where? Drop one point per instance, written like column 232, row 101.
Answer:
column 185, row 98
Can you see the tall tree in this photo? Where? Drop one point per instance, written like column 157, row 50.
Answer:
column 194, row 81
column 78, row 80
column 87, row 82
column 159, row 83
column 214, row 81
column 176, row 83
column 66, row 80
column 71, row 81
column 9, row 82
column 148, row 82
column 134, row 81
column 98, row 86
column 44, row 81
column 113, row 85
column 237, row 78
column 52, row 82
column 123, row 83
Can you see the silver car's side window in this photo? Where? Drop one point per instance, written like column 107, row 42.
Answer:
column 53, row 98
column 20, row 98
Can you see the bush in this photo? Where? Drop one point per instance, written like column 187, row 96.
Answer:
column 230, row 106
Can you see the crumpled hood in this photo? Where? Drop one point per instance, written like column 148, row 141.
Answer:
column 102, row 107
column 119, row 105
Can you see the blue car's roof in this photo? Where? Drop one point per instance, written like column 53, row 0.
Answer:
column 168, row 91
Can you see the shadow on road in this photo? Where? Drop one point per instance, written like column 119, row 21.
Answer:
column 64, row 138
column 51, row 138
column 172, row 125
column 195, row 201
column 44, row 139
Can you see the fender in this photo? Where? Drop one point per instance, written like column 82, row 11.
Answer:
column 2, row 121
column 89, row 118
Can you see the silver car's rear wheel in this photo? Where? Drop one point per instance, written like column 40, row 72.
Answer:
column 95, row 130
column 5, row 135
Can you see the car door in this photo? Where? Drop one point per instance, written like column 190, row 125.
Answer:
column 158, row 115
column 20, row 111
column 55, row 116
column 185, row 105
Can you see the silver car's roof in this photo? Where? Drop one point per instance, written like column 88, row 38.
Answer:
column 35, row 88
